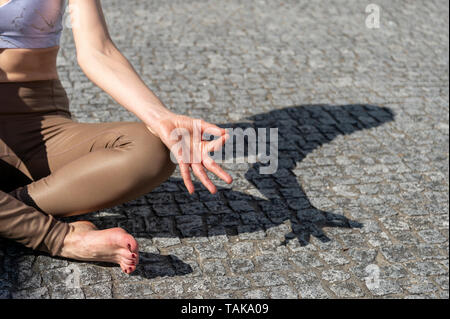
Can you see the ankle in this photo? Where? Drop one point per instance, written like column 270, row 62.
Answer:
column 69, row 241
column 75, row 238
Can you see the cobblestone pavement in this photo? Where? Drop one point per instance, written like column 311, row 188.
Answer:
column 359, row 204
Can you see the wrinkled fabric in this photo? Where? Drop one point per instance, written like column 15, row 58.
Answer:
column 53, row 166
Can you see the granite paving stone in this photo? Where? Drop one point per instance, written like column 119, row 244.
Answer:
column 358, row 205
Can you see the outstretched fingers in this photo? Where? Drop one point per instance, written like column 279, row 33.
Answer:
column 186, row 175
column 216, row 144
column 212, row 129
column 198, row 168
column 214, row 168
column 210, row 164
column 201, row 175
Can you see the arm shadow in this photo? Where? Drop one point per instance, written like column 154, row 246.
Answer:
column 169, row 212
column 301, row 130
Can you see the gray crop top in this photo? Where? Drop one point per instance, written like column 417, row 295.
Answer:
column 31, row 24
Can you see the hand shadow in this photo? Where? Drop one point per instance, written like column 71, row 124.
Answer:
column 301, row 130
column 172, row 213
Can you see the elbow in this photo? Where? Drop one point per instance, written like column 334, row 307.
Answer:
column 86, row 55
column 80, row 60
column 84, row 61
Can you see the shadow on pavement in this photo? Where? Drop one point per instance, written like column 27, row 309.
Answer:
column 169, row 211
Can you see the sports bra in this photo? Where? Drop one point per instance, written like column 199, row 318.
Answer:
column 31, row 24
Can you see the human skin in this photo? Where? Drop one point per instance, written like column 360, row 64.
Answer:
column 107, row 67
column 104, row 65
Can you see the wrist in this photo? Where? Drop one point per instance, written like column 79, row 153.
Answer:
column 154, row 117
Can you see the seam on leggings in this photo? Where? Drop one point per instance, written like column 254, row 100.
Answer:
column 74, row 146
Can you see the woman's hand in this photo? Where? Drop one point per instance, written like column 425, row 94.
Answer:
column 183, row 136
column 108, row 68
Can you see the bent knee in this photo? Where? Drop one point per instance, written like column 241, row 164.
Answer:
column 160, row 161
column 150, row 157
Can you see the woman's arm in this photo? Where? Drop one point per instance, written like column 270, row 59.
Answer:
column 104, row 65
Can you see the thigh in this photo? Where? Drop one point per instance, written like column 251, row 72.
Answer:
column 74, row 140
column 59, row 140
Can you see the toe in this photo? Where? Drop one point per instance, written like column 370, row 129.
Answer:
column 127, row 256
column 134, row 258
column 128, row 262
column 132, row 244
column 129, row 268
column 122, row 266
column 125, row 240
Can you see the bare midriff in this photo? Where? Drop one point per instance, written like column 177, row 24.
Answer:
column 22, row 65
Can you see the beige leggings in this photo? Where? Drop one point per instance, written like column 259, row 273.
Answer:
column 53, row 166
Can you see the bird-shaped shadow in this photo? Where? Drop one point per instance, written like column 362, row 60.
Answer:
column 301, row 130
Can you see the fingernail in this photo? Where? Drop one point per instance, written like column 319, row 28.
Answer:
column 129, row 269
column 133, row 255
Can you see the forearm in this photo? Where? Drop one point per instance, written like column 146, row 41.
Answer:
column 112, row 72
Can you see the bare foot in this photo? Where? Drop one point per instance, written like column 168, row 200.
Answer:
column 85, row 242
